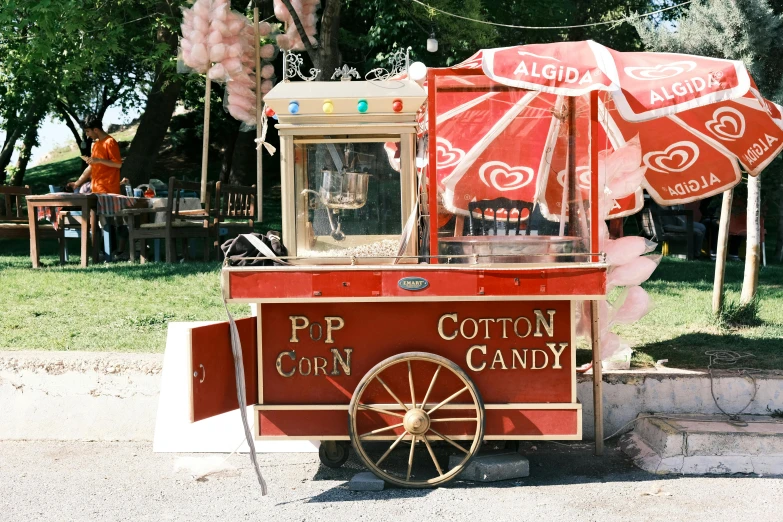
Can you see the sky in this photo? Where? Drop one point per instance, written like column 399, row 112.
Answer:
column 54, row 133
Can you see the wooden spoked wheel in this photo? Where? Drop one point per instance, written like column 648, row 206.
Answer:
column 410, row 414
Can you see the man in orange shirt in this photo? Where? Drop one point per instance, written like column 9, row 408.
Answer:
column 104, row 163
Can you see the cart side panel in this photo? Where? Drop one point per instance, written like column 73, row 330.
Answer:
column 562, row 422
column 515, row 351
column 213, row 389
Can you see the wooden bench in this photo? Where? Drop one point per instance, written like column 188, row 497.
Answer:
column 14, row 223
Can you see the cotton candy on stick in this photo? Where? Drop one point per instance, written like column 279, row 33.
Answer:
column 634, row 272
column 635, row 305
column 626, row 249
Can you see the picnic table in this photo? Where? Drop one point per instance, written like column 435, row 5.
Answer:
column 47, row 206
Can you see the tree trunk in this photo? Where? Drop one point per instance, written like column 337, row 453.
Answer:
column 243, row 165
column 29, row 142
column 229, row 144
column 779, row 246
column 329, row 57
column 753, row 247
column 154, row 123
column 8, row 150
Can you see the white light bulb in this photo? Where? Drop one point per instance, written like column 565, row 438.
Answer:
column 432, row 44
column 417, row 72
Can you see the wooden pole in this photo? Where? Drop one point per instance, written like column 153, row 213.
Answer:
column 573, row 196
column 750, row 281
column 205, row 146
column 259, row 114
column 598, row 400
column 720, row 256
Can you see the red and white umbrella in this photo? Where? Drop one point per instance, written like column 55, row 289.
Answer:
column 501, row 133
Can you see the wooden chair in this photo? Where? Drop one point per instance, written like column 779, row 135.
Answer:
column 235, row 211
column 14, row 223
column 652, row 226
column 177, row 223
column 495, row 205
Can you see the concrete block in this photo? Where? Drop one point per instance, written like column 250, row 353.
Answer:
column 493, row 467
column 366, row 481
column 706, row 445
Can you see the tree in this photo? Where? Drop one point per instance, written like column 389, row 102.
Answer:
column 746, row 30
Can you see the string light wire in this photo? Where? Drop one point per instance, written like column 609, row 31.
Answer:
column 608, row 22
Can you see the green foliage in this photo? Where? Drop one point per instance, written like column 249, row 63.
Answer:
column 745, row 30
column 735, row 315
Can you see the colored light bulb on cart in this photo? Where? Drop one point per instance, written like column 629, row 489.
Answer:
column 362, row 106
column 293, row 107
column 269, row 111
column 328, row 107
column 397, row 105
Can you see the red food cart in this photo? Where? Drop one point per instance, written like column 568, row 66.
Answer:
column 400, row 325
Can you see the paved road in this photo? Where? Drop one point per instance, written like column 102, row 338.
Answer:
column 61, row 481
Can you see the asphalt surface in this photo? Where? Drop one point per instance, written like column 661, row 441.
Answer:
column 59, row 481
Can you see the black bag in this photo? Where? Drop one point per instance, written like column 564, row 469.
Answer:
column 240, row 251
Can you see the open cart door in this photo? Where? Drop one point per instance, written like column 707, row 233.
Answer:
column 213, row 383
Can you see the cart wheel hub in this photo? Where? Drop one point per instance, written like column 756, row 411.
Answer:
column 416, row 421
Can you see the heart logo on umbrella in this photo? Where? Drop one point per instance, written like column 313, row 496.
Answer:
column 447, row 154
column 661, row 71
column 676, row 158
column 582, row 177
column 727, row 124
column 505, row 177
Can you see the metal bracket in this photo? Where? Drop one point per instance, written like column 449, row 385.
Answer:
column 399, row 61
column 292, row 63
column 345, row 73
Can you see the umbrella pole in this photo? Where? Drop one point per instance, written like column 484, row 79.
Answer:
column 205, row 146
column 720, row 255
column 573, row 212
column 259, row 112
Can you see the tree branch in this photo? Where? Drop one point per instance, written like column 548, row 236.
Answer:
column 67, row 117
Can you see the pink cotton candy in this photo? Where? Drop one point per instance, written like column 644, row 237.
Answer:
column 610, row 344
column 199, row 54
column 235, row 27
column 266, row 86
column 222, row 28
column 633, row 273
column 187, row 16
column 186, row 44
column 241, row 114
column 217, row 53
column 235, row 50
column 201, row 9
column 217, row 72
column 247, row 104
column 232, row 65
column 215, row 38
column 268, row 50
column 281, row 11
column 267, row 71
column 201, row 24
column 623, row 250
column 626, row 183
column 220, row 12
column 197, row 37
column 283, row 42
column 243, row 79
column 264, row 29
column 240, row 90
column 635, row 306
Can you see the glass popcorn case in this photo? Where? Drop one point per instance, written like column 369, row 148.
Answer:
column 348, row 179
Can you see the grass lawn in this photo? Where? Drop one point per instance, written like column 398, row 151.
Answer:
column 125, row 307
